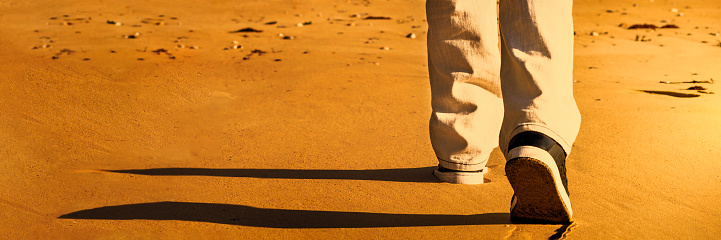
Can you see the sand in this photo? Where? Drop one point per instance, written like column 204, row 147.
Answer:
column 109, row 134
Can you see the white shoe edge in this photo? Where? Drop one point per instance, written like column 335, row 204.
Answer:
column 469, row 178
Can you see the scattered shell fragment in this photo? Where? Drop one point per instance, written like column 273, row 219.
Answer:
column 674, row 10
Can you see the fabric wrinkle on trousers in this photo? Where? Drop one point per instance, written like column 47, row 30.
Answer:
column 481, row 95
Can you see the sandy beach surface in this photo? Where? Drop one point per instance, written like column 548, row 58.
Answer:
column 287, row 119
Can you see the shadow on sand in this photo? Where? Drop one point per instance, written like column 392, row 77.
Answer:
column 422, row 174
column 286, row 218
column 278, row 218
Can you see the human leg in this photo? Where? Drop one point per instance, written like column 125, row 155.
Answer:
column 541, row 119
column 464, row 67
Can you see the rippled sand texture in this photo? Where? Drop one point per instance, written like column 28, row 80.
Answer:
column 308, row 120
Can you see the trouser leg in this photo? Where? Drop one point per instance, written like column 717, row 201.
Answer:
column 537, row 70
column 464, row 66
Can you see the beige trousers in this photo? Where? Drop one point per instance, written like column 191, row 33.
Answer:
column 483, row 94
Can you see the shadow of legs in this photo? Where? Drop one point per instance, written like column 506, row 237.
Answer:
column 278, row 218
column 422, row 174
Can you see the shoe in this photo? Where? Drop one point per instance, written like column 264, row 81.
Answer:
column 537, row 173
column 459, row 177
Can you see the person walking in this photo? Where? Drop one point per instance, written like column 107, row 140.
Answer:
column 501, row 74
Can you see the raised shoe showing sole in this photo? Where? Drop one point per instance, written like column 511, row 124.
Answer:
column 460, row 177
column 539, row 193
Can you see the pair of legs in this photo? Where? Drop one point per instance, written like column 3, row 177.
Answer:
column 488, row 89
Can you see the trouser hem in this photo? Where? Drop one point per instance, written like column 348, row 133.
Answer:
column 462, row 166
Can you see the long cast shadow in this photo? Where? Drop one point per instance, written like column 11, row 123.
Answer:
column 422, row 174
column 278, row 218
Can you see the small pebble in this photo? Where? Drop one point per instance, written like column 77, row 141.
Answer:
column 385, row 48
column 411, row 36
column 594, row 34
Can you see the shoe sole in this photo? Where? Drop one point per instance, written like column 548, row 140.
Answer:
column 470, row 178
column 539, row 194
